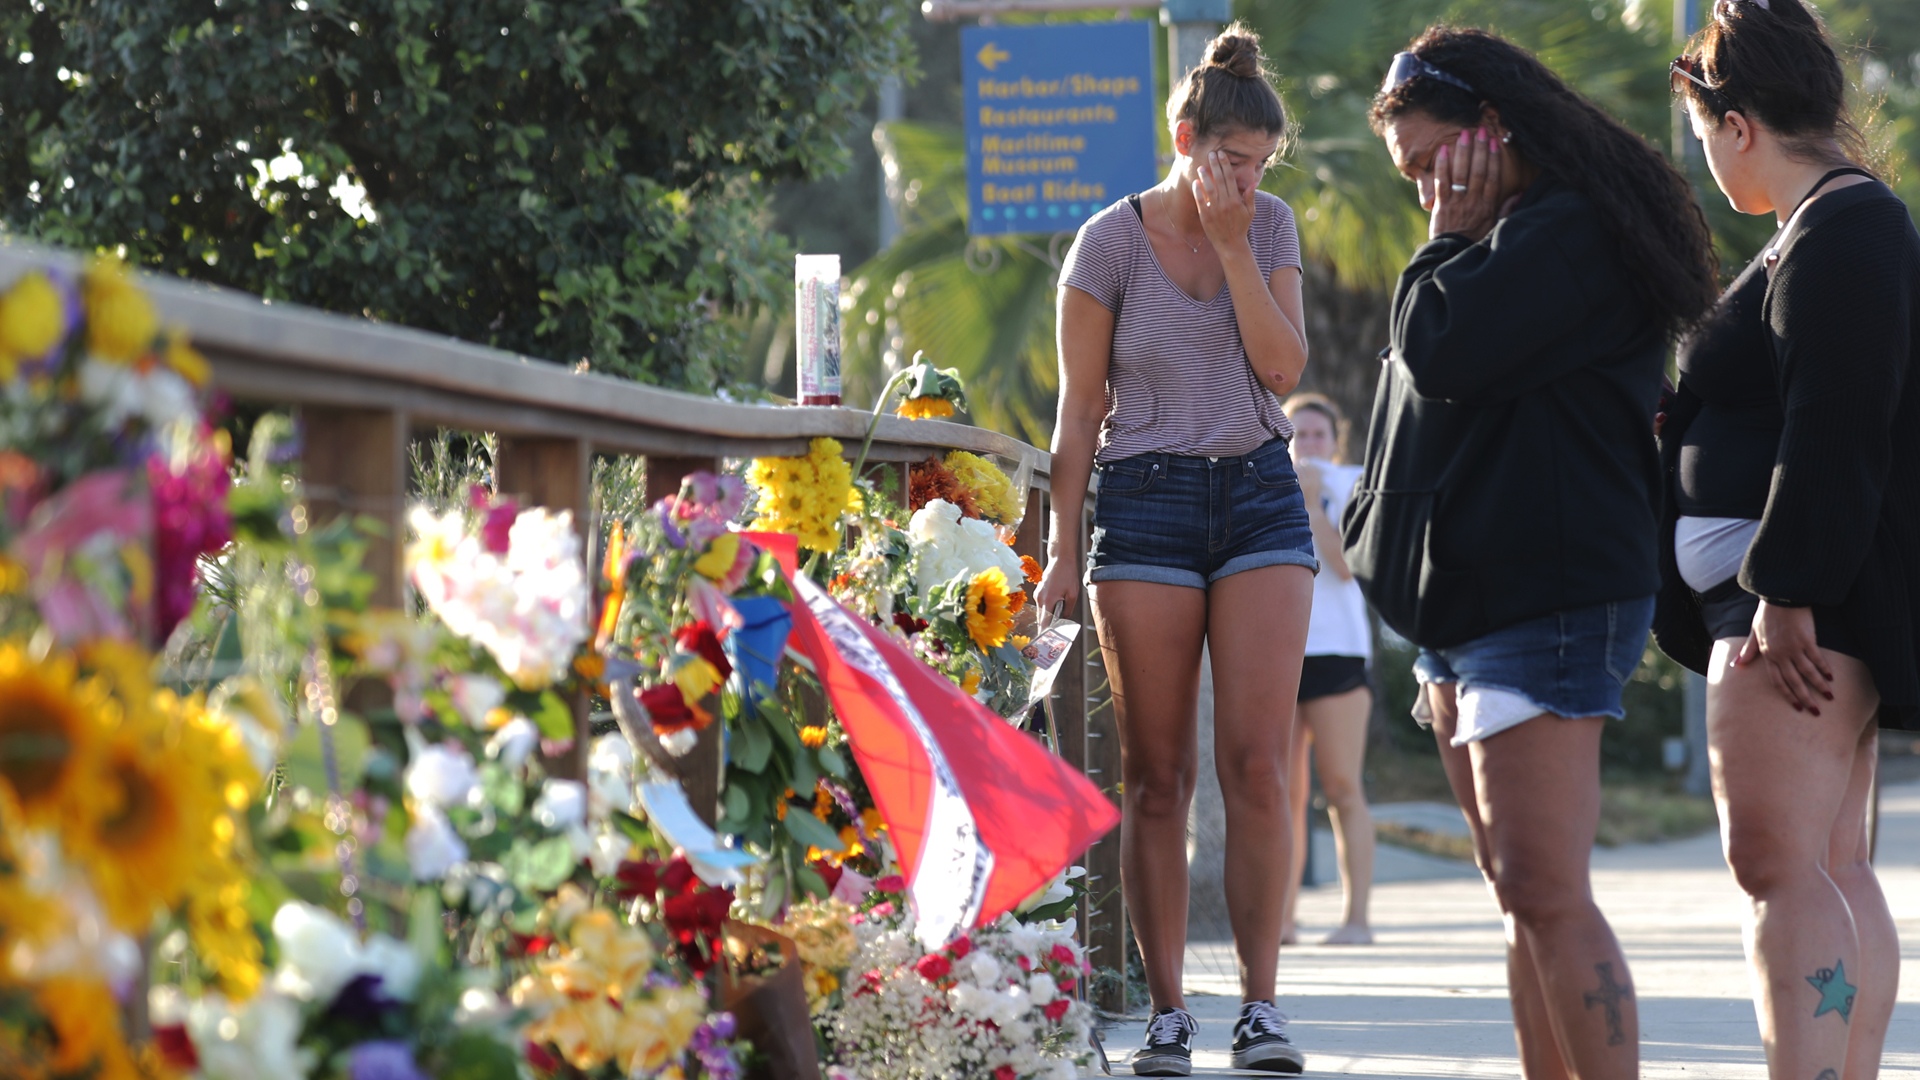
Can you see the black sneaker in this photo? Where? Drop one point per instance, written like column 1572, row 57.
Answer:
column 1258, row 1042
column 1169, row 1049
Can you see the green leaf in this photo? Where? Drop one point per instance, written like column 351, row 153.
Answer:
column 810, row 881
column 306, row 765
column 426, row 935
column 554, row 718
column 738, row 804
column 475, row 1056
column 831, row 761
column 810, row 831
column 754, row 745
column 539, row 867
column 634, row 829
column 503, row 789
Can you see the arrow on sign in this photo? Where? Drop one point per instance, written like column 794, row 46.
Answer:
column 991, row 56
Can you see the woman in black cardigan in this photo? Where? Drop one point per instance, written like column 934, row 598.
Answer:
column 1793, row 571
column 1507, row 520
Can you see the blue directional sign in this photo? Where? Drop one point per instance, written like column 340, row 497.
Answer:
column 1059, row 122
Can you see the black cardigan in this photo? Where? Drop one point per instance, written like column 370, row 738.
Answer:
column 1511, row 469
column 1842, row 524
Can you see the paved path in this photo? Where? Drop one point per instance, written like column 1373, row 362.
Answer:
column 1429, row 999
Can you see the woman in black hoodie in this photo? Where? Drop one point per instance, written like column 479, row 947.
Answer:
column 1794, row 441
column 1507, row 518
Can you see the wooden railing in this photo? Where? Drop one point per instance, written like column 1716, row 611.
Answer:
column 364, row 390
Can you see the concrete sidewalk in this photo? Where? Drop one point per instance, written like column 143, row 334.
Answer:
column 1429, row 999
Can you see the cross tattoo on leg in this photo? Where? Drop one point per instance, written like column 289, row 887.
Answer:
column 1609, row 996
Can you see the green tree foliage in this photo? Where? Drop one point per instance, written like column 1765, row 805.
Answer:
column 568, row 180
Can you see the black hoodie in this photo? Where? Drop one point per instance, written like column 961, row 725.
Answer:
column 1511, row 469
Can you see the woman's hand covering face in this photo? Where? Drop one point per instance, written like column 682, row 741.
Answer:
column 1468, row 178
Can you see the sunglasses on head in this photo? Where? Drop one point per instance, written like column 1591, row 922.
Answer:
column 1407, row 67
column 1690, row 69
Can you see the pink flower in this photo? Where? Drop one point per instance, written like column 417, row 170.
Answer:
column 881, row 911
column 933, row 967
column 99, row 515
column 892, row 883
column 1061, row 954
column 190, row 519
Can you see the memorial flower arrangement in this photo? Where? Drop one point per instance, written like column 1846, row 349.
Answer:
column 998, row 1002
column 254, row 825
column 927, row 392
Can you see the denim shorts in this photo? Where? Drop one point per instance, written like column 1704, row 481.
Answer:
column 1570, row 663
column 1194, row 520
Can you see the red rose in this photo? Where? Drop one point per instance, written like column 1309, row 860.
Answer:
column 538, row 1057
column 677, row 876
column 828, row 872
column 637, row 879
column 1061, row 954
column 1066, row 984
column 1057, row 1008
column 933, row 967
column 1005, row 1072
column 961, row 946
column 176, row 1048
column 908, row 623
column 1025, row 964
column 668, row 711
column 699, row 638
column 891, row 883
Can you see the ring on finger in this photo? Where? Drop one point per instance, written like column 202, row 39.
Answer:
column 1458, row 187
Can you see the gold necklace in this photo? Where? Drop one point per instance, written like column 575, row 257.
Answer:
column 1167, row 213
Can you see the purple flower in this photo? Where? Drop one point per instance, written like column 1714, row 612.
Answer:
column 709, row 1044
column 383, row 1060
column 664, row 510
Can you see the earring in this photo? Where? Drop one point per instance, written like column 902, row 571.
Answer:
column 1507, row 138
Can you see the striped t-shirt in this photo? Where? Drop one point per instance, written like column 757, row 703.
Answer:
column 1179, row 381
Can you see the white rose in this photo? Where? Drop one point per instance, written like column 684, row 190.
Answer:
column 562, row 804
column 610, row 771
column 514, row 742
column 607, row 851
column 1043, row 988
column 433, row 848
column 317, row 952
column 260, row 1040
column 476, row 696
column 442, row 775
column 394, row 962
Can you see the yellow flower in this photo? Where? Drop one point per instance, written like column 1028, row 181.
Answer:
column 32, row 317
column 1019, row 641
column 86, row 1028
column 224, row 937
column 50, row 721
column 813, row 737
column 184, row 359
column 696, row 677
column 925, row 408
column 121, row 321
column 989, row 613
column 656, row 1030
column 607, row 958
column 719, row 557
column 970, row 682
column 992, row 492
column 871, row 821
column 805, row 496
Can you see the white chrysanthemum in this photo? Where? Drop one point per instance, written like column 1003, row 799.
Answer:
column 442, row 775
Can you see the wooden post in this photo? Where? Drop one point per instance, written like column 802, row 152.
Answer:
column 556, row 474
column 355, row 462
column 701, row 767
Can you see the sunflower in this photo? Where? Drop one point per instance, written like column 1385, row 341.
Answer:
column 86, row 1028
column 924, row 408
column 49, row 723
column 163, row 832
column 989, row 610
column 121, row 321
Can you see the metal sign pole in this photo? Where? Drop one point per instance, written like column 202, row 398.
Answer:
column 1190, row 25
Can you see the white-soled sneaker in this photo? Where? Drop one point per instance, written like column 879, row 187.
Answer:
column 1169, row 1049
column 1260, row 1043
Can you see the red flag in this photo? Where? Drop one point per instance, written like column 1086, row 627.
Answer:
column 785, row 548
column 980, row 813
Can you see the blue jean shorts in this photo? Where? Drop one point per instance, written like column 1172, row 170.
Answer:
column 1194, row 520
column 1570, row 663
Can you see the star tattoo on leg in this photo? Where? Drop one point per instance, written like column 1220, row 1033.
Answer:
column 1609, row 996
column 1836, row 993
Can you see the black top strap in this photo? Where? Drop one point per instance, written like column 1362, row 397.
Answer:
column 1133, row 200
column 1845, row 170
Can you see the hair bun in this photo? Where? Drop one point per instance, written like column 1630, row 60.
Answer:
column 1236, row 53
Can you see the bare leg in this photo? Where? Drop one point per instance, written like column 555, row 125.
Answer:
column 1540, row 1057
column 1849, row 863
column 1299, row 790
column 1539, row 789
column 1782, row 780
column 1256, row 633
column 1339, row 726
column 1150, row 636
